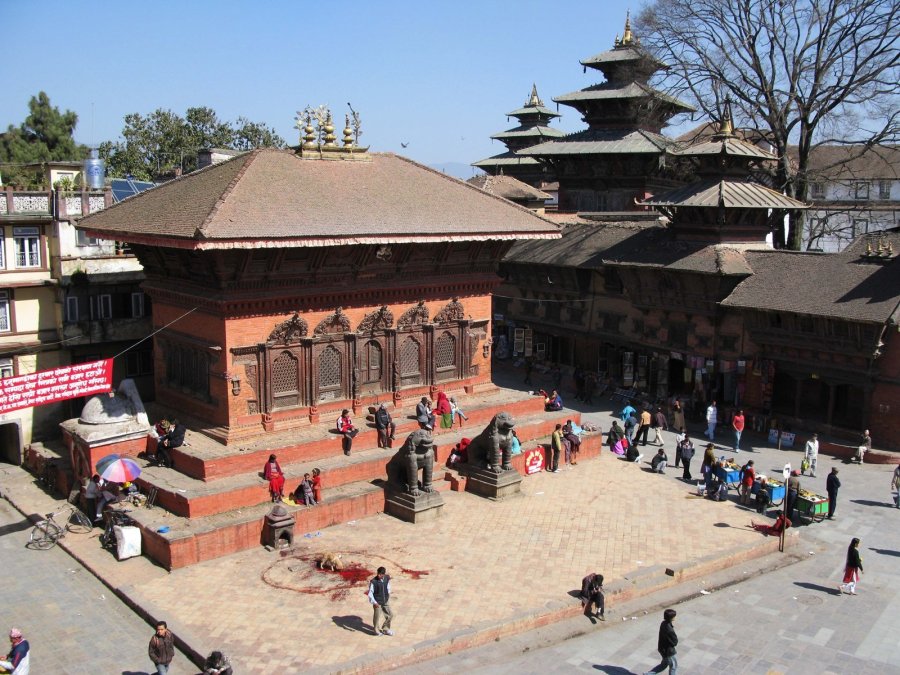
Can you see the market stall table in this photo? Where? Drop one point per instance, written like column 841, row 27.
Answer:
column 776, row 491
column 811, row 506
column 730, row 474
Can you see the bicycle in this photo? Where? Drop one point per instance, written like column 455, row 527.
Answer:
column 47, row 532
column 113, row 518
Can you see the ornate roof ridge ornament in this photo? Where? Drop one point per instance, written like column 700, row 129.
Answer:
column 288, row 332
column 452, row 311
column 334, row 323
column 726, row 125
column 414, row 316
column 627, row 37
column 319, row 140
column 381, row 319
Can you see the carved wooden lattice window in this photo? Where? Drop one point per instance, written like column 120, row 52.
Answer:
column 409, row 362
column 445, row 354
column 285, row 380
column 187, row 369
column 370, row 362
column 329, row 374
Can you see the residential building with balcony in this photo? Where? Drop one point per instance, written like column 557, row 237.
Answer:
column 64, row 297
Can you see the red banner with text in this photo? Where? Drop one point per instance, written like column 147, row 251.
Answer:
column 57, row 384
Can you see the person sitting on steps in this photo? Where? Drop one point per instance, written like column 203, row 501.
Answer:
column 172, row 439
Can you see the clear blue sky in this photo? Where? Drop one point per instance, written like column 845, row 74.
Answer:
column 436, row 74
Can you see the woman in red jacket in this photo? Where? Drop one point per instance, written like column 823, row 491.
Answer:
column 272, row 472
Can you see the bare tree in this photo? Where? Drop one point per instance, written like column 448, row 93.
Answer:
column 807, row 72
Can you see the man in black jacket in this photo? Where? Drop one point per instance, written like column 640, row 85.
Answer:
column 173, row 439
column 832, row 483
column 666, row 645
column 385, row 426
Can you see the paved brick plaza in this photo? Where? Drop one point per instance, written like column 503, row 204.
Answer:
column 485, row 562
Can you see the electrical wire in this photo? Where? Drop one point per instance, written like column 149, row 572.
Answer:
column 144, row 339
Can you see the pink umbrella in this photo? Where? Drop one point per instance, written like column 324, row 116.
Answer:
column 120, row 470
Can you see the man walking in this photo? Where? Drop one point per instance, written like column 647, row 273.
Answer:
column 644, row 428
column 748, row 476
column 812, row 454
column 380, row 596
column 666, row 644
column 162, row 648
column 737, row 423
column 712, row 418
column 659, row 423
column 832, row 483
column 793, row 491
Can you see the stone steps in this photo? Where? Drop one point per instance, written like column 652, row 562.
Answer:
column 193, row 540
column 190, row 497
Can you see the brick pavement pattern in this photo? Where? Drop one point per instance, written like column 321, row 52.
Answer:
column 485, row 562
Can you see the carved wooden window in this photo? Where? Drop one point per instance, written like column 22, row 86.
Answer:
column 410, row 369
column 370, row 362
column 329, row 374
column 187, row 369
column 445, row 353
column 285, row 381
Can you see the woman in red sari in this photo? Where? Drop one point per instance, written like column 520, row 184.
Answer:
column 317, row 485
column 272, row 472
column 443, row 408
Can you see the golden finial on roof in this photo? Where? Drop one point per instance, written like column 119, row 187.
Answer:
column 869, row 247
column 880, row 246
column 329, row 130
column 616, row 41
column 348, row 132
column 534, row 100
column 627, row 36
column 726, row 126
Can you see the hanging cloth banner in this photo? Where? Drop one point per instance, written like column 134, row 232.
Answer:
column 57, row 384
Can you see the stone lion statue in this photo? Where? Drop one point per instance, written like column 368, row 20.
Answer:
column 416, row 453
column 491, row 448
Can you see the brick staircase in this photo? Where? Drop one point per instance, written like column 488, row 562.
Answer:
column 215, row 500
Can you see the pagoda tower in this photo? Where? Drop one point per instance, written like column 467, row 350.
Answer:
column 533, row 119
column 725, row 204
column 621, row 156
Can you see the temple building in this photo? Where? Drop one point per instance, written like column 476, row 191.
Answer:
column 622, row 155
column 294, row 283
column 533, row 129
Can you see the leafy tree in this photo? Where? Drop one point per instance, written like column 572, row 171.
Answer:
column 807, row 72
column 44, row 136
column 163, row 141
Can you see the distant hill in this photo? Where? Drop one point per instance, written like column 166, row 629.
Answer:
column 455, row 169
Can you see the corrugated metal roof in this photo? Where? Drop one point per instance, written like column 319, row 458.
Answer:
column 731, row 146
column 605, row 92
column 622, row 55
column 730, row 194
column 528, row 132
column 507, row 159
column 533, row 110
column 597, row 142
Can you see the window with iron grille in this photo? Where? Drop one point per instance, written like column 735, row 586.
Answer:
column 884, row 189
column 370, row 362
column 28, row 246
column 5, row 324
column 6, row 368
column 861, row 190
column 817, row 189
column 139, row 363
column 330, row 373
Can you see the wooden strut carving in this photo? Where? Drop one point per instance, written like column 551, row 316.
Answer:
column 288, row 332
column 333, row 324
column 380, row 319
column 453, row 311
column 414, row 316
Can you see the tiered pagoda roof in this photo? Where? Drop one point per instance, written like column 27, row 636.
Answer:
column 718, row 203
column 532, row 129
column 616, row 110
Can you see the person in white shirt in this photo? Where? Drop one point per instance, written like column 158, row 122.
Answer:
column 812, row 453
column 712, row 415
